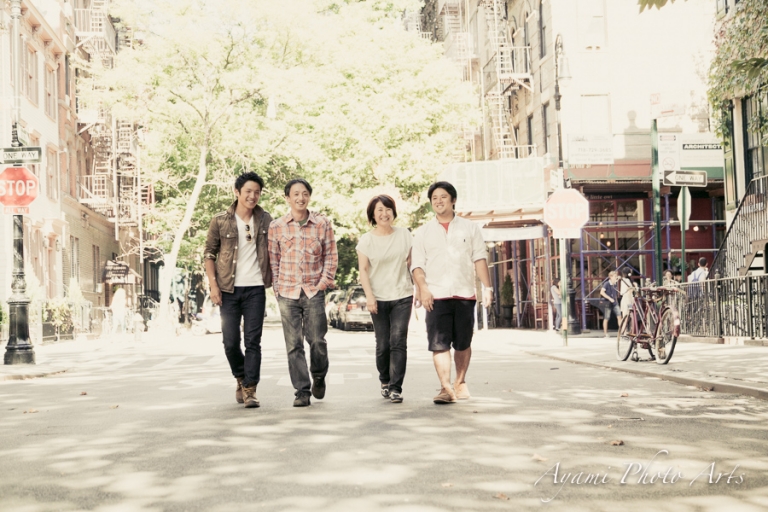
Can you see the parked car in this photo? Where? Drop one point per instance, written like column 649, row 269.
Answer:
column 353, row 313
column 332, row 306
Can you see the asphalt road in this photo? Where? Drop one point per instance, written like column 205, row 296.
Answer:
column 154, row 426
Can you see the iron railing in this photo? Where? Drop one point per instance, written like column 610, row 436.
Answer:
column 750, row 224
column 733, row 307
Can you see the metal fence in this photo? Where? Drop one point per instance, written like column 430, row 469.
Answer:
column 733, row 306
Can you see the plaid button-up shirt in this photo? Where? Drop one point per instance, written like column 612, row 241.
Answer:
column 302, row 257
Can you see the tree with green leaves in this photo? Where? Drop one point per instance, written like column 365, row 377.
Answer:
column 335, row 92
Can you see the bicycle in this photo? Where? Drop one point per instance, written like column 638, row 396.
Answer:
column 651, row 323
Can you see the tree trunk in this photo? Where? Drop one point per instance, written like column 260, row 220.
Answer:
column 170, row 259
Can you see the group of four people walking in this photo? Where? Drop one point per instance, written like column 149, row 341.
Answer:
column 247, row 251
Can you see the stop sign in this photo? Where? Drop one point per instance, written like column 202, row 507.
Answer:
column 566, row 211
column 18, row 187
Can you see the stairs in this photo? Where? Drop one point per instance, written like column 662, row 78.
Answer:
column 513, row 63
column 743, row 249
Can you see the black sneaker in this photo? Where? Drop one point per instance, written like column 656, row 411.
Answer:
column 385, row 390
column 395, row 397
column 318, row 388
column 301, row 401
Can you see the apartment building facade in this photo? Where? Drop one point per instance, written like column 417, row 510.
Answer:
column 73, row 235
column 577, row 84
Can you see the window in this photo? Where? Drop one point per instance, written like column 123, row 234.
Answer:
column 96, row 266
column 754, row 152
column 542, row 31
column 529, row 128
column 67, row 75
column 526, row 41
column 29, row 74
column 729, row 167
column 50, row 92
column 35, row 168
column 592, row 24
column 74, row 259
column 545, row 125
column 51, row 190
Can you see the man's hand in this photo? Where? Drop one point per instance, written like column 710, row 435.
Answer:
column 215, row 295
column 321, row 287
column 371, row 305
column 487, row 297
column 427, row 300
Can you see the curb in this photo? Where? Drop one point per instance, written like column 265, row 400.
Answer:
column 707, row 385
column 27, row 376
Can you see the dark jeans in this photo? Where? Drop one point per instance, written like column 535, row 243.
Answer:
column 248, row 303
column 391, row 327
column 305, row 318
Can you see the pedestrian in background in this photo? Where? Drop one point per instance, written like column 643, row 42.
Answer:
column 119, row 309
column 303, row 255
column 557, row 303
column 701, row 273
column 610, row 300
column 238, row 270
column 448, row 254
column 384, row 256
column 626, row 287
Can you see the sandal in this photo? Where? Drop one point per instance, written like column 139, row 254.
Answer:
column 385, row 390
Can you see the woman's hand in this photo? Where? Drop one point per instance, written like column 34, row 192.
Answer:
column 371, row 305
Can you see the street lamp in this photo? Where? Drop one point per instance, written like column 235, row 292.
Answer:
column 563, row 74
column 19, row 349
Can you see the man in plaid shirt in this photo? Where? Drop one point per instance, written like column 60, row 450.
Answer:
column 302, row 253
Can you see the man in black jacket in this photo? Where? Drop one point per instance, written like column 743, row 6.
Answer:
column 240, row 235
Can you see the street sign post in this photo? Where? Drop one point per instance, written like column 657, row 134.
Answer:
column 685, row 178
column 566, row 211
column 684, row 216
column 21, row 155
column 18, row 189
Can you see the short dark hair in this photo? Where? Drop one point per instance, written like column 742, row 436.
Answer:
column 556, row 281
column 625, row 271
column 246, row 177
column 300, row 181
column 702, row 261
column 387, row 201
column 443, row 185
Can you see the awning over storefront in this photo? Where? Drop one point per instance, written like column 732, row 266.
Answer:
column 509, row 234
column 117, row 272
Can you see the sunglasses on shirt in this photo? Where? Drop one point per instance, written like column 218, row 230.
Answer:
column 248, row 236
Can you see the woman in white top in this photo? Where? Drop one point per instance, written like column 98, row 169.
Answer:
column 625, row 290
column 384, row 257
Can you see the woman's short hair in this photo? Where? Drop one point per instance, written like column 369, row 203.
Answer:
column 626, row 271
column 387, row 201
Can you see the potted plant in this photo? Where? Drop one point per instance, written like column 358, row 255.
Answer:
column 507, row 298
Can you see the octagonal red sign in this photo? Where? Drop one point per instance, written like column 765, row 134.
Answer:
column 566, row 209
column 18, row 186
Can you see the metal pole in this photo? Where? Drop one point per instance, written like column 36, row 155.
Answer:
column 19, row 349
column 669, row 232
column 569, row 307
column 563, row 292
column 656, row 199
column 683, row 228
column 583, row 288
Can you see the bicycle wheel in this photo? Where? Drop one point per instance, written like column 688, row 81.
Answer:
column 665, row 337
column 624, row 341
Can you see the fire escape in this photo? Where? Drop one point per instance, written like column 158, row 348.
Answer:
column 453, row 32
column 510, row 72
column 114, row 187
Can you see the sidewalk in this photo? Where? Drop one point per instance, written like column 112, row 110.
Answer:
column 722, row 368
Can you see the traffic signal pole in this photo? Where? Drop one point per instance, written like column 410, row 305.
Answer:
column 19, row 349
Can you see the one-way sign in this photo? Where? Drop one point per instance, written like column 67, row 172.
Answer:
column 685, row 178
column 22, row 155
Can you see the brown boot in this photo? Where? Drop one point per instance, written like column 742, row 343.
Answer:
column 250, row 397
column 239, row 391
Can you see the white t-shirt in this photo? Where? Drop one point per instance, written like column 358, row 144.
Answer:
column 388, row 270
column 247, row 270
column 448, row 258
